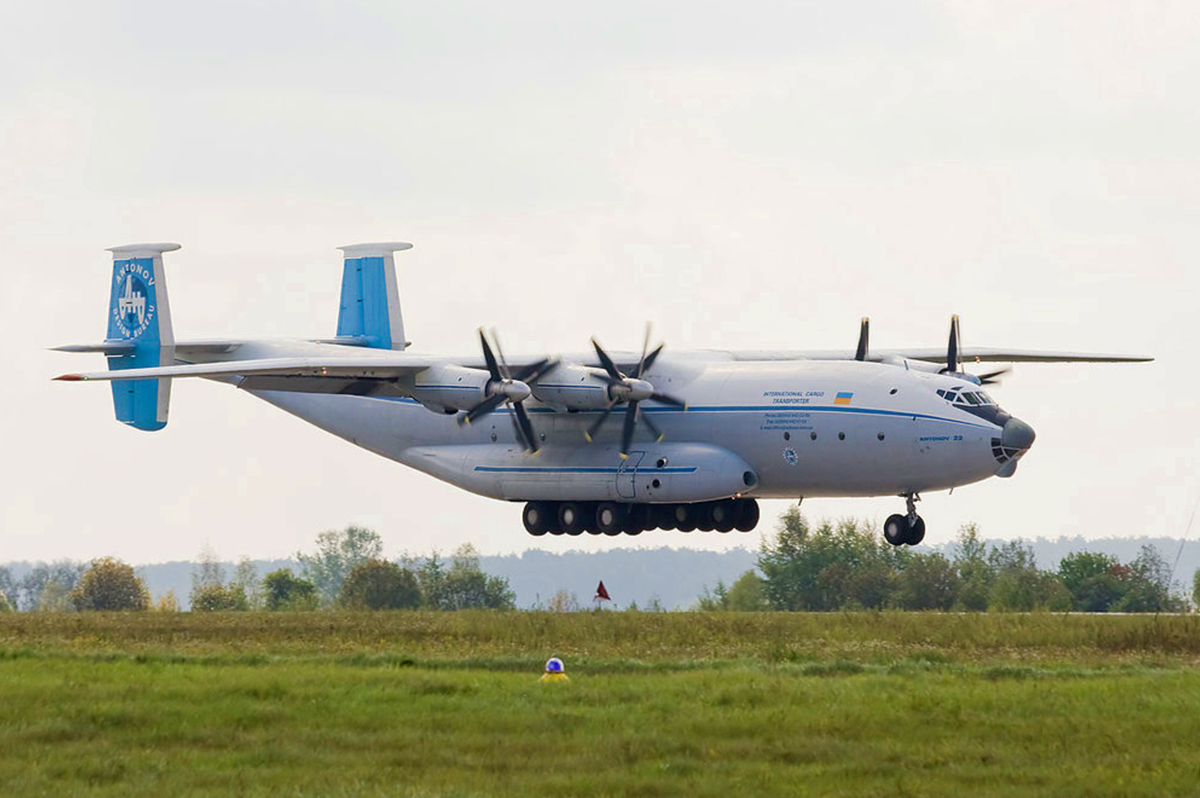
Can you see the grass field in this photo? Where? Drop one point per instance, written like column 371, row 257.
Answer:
column 659, row 704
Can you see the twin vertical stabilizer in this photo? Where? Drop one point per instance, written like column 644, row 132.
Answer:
column 139, row 327
column 370, row 310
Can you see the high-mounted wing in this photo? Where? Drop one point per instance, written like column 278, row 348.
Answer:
column 969, row 354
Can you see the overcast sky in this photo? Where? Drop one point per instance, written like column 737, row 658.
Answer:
column 753, row 175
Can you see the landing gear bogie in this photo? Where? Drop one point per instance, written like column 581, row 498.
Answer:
column 615, row 518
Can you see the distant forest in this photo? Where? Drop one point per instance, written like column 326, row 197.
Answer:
column 662, row 578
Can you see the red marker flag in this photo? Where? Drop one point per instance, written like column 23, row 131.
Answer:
column 601, row 593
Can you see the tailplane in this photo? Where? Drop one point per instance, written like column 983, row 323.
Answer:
column 139, row 331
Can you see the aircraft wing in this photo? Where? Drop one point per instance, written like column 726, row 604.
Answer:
column 310, row 369
column 970, row 354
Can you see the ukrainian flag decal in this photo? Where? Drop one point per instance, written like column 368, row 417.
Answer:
column 843, row 397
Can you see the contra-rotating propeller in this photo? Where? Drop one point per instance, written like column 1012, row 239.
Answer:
column 508, row 386
column 631, row 391
column 954, row 358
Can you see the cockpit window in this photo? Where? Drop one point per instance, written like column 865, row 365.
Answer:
column 972, row 398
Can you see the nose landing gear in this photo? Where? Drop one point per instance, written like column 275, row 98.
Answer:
column 905, row 529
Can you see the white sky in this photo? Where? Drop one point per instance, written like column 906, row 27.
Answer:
column 754, row 175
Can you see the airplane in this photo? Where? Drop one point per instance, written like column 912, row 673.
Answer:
column 604, row 442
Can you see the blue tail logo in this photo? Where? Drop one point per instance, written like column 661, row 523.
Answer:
column 133, row 302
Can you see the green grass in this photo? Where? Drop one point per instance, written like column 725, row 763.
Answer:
column 414, row 704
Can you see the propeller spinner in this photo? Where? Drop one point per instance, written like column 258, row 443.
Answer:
column 507, row 386
column 631, row 391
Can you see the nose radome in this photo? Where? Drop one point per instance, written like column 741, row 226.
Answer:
column 1017, row 435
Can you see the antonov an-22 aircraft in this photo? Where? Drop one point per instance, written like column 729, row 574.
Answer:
column 602, row 442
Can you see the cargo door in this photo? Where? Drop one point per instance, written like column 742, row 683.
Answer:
column 626, row 487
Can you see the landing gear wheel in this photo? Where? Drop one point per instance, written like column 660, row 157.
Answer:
column 610, row 517
column 683, row 518
column 638, row 518
column 571, row 518
column 701, row 517
column 747, row 516
column 663, row 516
column 538, row 517
column 895, row 529
column 916, row 532
column 723, row 515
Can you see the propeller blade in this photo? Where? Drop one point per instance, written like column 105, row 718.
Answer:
column 658, row 435
column 953, row 347
column 991, row 377
column 591, row 431
column 668, row 400
column 631, row 418
column 637, row 372
column 650, row 358
column 864, row 335
column 500, row 351
column 525, row 426
column 531, row 373
column 493, row 367
column 483, row 408
column 607, row 362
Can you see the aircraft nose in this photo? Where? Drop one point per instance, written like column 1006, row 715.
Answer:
column 1017, row 435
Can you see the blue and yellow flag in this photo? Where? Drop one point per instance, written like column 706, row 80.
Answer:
column 843, row 397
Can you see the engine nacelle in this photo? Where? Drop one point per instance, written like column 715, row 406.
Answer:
column 572, row 386
column 450, row 388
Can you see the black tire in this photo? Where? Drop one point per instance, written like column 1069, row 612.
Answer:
column 664, row 516
column 538, row 517
column 895, row 529
column 610, row 517
column 641, row 518
column 916, row 532
column 723, row 515
column 571, row 517
column 701, row 517
column 683, row 517
column 748, row 515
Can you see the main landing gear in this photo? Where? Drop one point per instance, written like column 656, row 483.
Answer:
column 613, row 518
column 901, row 529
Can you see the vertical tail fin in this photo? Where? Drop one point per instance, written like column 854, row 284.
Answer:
column 139, row 313
column 370, row 311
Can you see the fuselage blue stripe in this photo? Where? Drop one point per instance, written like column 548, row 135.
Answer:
column 582, row 470
column 866, row 411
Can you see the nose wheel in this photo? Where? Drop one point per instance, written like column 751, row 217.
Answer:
column 907, row 529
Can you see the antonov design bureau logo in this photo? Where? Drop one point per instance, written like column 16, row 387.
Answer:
column 132, row 311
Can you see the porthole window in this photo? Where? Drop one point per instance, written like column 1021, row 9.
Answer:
column 893, row 391
column 493, row 437
column 812, row 435
column 880, row 436
column 841, row 436
column 656, row 483
column 787, row 436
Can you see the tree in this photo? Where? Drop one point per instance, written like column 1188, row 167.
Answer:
column 463, row 585
column 715, row 600
column 245, row 578
column 46, row 587
column 5, row 606
column 380, row 585
column 1096, row 581
column 975, row 572
column 1019, row 585
column 928, row 582
column 562, row 601
column 829, row 567
column 110, row 584
column 747, row 594
column 338, row 551
column 8, row 589
column 167, row 602
column 1149, row 585
column 1196, row 588
column 283, row 590
column 218, row 598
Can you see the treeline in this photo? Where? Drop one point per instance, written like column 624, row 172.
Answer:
column 847, row 565
column 347, row 570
